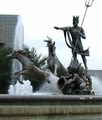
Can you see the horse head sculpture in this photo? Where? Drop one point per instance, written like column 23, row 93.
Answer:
column 28, row 67
column 53, row 62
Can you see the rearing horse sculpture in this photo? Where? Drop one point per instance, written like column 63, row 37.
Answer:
column 28, row 67
column 53, row 62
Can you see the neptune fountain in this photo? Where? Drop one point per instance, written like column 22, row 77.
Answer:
column 74, row 79
column 69, row 82
column 70, row 88
column 67, row 98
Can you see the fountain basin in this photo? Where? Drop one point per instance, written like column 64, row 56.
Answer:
column 34, row 105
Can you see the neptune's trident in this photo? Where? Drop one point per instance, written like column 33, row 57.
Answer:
column 87, row 5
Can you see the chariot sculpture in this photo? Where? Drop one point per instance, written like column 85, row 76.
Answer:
column 64, row 83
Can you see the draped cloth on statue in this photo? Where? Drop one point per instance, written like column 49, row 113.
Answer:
column 71, row 46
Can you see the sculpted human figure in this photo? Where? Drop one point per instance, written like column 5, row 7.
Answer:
column 74, row 84
column 80, row 84
column 76, row 33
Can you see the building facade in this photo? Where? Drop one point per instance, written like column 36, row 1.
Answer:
column 11, row 31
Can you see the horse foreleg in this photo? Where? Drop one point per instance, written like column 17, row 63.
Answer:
column 21, row 73
column 46, row 67
column 15, row 81
column 17, row 72
column 55, row 68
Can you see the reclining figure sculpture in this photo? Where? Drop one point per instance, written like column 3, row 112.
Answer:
column 77, row 82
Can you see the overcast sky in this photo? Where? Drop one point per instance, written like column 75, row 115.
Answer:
column 40, row 16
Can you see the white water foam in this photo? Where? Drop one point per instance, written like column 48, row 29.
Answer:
column 26, row 88
column 50, row 87
column 21, row 89
column 96, row 86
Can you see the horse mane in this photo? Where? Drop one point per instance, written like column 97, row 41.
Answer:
column 28, row 54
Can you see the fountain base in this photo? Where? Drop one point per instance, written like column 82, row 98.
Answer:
column 34, row 105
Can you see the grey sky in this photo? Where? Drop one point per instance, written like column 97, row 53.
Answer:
column 40, row 16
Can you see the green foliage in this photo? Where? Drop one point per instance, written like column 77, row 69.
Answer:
column 39, row 61
column 5, row 70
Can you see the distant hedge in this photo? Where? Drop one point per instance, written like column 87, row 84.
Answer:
column 5, row 70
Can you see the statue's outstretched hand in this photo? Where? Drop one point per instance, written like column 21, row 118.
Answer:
column 56, row 28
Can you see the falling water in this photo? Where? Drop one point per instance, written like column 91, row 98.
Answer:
column 21, row 89
column 26, row 88
column 18, row 44
column 97, row 85
column 19, row 35
column 51, row 88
